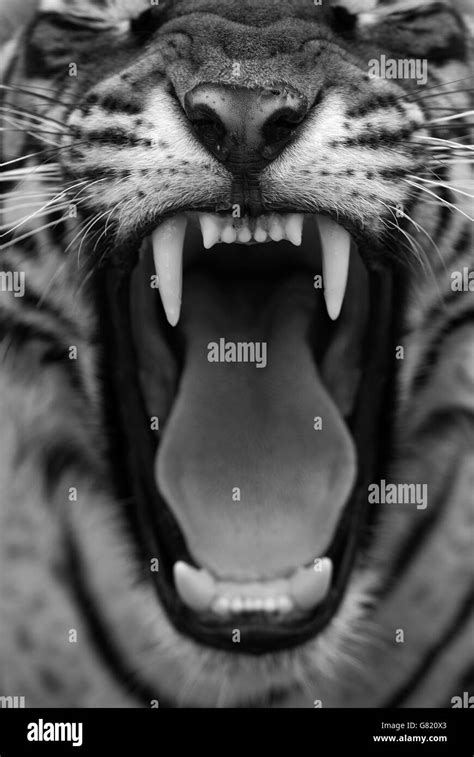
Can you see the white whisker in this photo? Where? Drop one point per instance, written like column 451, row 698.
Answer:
column 452, row 118
column 440, row 199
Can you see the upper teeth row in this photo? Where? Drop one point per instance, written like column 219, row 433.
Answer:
column 168, row 242
column 228, row 230
column 303, row 590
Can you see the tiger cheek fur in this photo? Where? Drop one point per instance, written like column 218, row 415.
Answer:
column 110, row 150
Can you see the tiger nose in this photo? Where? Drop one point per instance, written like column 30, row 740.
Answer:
column 246, row 128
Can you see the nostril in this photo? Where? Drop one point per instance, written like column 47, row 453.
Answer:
column 205, row 122
column 280, row 128
column 244, row 126
column 209, row 129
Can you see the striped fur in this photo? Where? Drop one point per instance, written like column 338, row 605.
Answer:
column 372, row 147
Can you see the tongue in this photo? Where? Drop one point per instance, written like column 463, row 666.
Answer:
column 256, row 484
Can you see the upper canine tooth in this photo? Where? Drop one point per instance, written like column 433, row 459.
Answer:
column 196, row 588
column 294, row 228
column 210, row 229
column 168, row 241
column 335, row 243
column 309, row 586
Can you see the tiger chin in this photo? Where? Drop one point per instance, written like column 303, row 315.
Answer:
column 238, row 319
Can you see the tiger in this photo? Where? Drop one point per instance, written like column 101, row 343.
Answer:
column 237, row 376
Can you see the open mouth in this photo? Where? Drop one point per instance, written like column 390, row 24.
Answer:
column 247, row 364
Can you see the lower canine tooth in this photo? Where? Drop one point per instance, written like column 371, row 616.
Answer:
column 309, row 586
column 195, row 587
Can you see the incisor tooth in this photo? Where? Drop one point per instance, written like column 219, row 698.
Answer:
column 168, row 241
column 284, row 604
column 336, row 244
column 229, row 235
column 210, row 229
column 309, row 586
column 275, row 231
column 236, row 604
column 195, row 587
column 244, row 235
column 221, row 606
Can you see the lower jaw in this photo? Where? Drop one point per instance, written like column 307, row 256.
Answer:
column 155, row 531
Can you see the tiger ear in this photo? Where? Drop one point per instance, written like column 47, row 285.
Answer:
column 101, row 14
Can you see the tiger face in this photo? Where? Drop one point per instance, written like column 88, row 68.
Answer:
column 239, row 212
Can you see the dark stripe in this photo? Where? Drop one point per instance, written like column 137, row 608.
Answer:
column 371, row 104
column 114, row 135
column 33, row 301
column 105, row 645
column 466, row 683
column 441, row 307
column 445, row 216
column 418, row 536
column 430, row 660
column 18, row 334
column 463, row 242
column 437, row 342
column 378, row 138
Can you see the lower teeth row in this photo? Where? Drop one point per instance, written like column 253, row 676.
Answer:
column 224, row 605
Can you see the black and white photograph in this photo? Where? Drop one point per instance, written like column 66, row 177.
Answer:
column 236, row 363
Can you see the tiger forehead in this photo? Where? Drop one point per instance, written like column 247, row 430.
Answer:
column 217, row 49
column 248, row 12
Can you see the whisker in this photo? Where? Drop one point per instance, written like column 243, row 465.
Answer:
column 33, row 232
column 33, row 116
column 43, row 212
column 29, row 91
column 444, row 84
column 415, row 97
column 419, row 228
column 32, row 172
column 67, row 146
column 442, row 184
column 452, row 144
column 440, row 199
column 451, row 118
